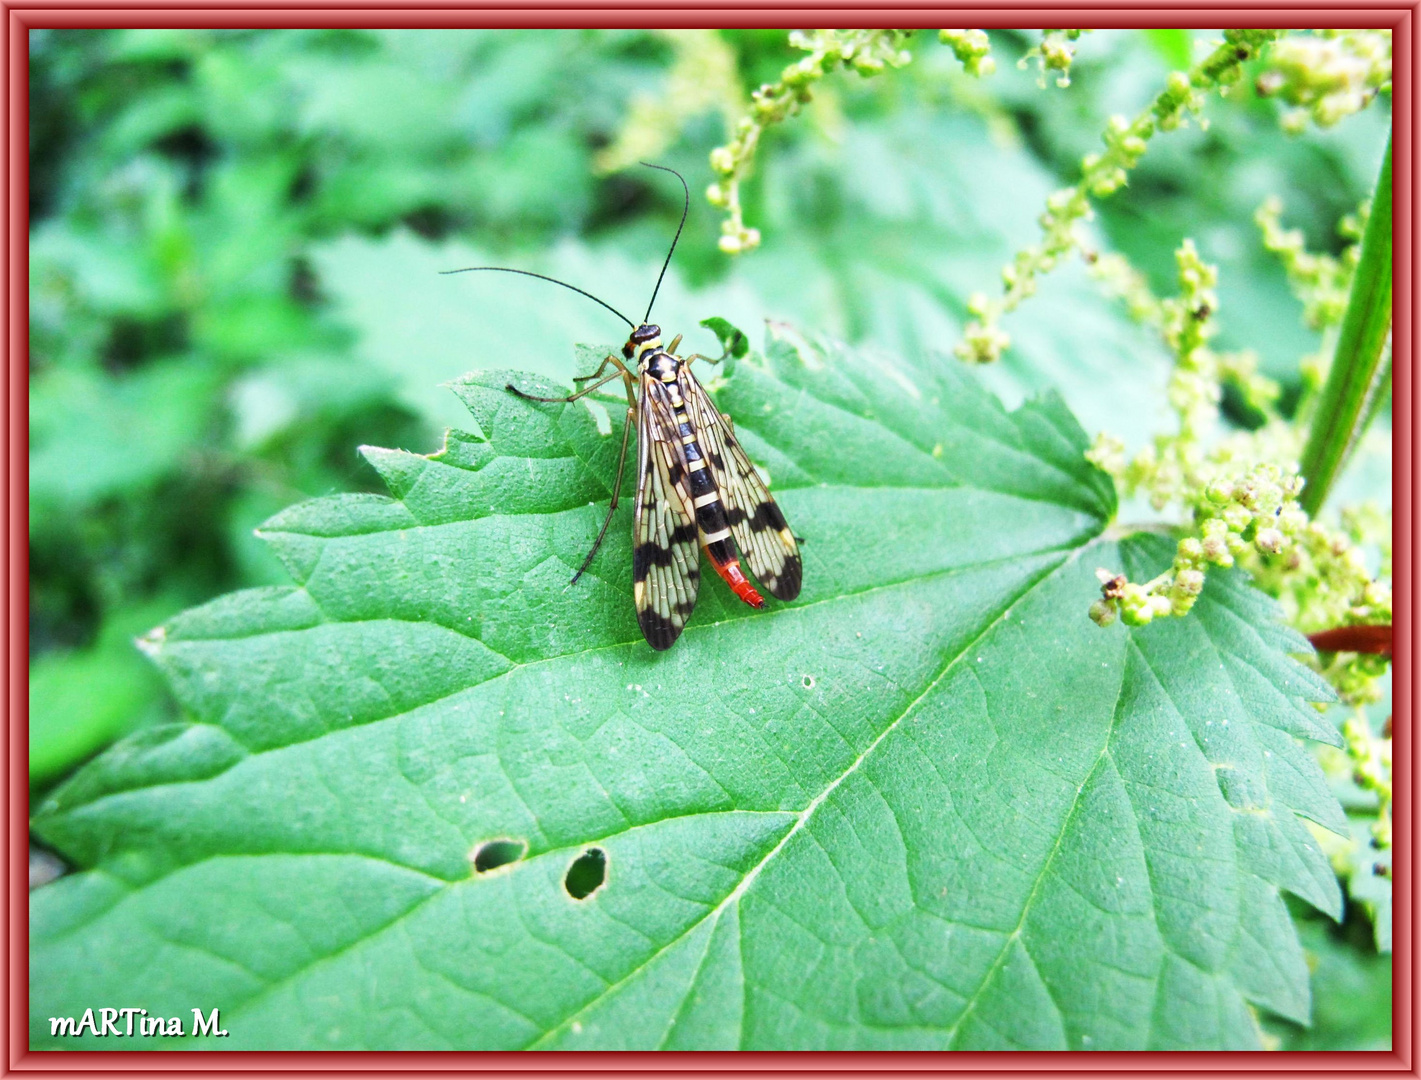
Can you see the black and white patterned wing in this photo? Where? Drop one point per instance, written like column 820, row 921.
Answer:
column 666, row 570
column 759, row 527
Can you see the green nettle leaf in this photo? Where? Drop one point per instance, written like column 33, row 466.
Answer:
column 732, row 339
column 929, row 804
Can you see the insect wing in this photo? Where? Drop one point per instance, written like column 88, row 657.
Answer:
column 665, row 559
column 759, row 527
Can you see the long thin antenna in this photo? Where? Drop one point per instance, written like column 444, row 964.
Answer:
column 555, row 281
column 685, row 210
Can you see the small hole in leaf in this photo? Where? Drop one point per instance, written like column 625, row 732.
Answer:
column 586, row 874
column 809, row 682
column 495, row 853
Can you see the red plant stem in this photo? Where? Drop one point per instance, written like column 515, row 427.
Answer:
column 1358, row 639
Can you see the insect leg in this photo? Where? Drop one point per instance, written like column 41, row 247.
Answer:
column 571, row 397
column 621, row 468
column 601, row 368
column 698, row 356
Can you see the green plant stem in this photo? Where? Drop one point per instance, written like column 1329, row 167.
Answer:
column 1356, row 376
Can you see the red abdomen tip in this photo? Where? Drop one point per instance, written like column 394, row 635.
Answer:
column 738, row 582
column 746, row 592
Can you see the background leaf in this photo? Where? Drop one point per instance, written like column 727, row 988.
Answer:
column 732, row 339
column 1175, row 46
column 929, row 804
column 1352, row 990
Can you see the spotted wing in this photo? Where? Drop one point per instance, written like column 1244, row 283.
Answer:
column 760, row 530
column 665, row 559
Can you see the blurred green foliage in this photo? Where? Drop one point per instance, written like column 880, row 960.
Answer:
column 1351, row 987
column 235, row 239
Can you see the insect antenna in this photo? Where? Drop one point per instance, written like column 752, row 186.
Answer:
column 555, row 281
column 684, row 211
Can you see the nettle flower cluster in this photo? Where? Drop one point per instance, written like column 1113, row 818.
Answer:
column 1241, row 494
column 1324, row 583
column 972, row 48
column 1056, row 52
column 1258, row 512
column 1320, row 280
column 1175, row 466
column 1370, row 758
column 1328, row 74
column 869, row 52
column 1102, row 174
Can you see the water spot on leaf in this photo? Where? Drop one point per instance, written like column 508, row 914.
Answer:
column 586, row 874
column 491, row 854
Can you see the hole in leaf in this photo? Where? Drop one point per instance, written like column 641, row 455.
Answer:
column 809, row 682
column 492, row 854
column 586, row 874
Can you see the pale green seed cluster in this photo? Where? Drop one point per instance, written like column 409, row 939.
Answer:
column 1357, row 677
column 1102, row 174
column 1121, row 281
column 1340, row 593
column 1327, row 75
column 1243, row 503
column 869, row 52
column 1240, row 369
column 1137, row 605
column 1174, row 467
column 1324, row 582
column 972, row 48
column 1365, row 760
column 1371, row 769
column 1318, row 280
column 1056, row 53
column 1258, row 512
column 1188, row 324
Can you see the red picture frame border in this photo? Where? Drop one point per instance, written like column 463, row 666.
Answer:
column 20, row 18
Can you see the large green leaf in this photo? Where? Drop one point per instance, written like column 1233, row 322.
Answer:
column 929, row 804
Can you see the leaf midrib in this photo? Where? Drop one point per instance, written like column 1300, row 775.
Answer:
column 1015, row 934
column 802, row 818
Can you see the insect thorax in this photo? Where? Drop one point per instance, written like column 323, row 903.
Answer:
column 660, row 365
